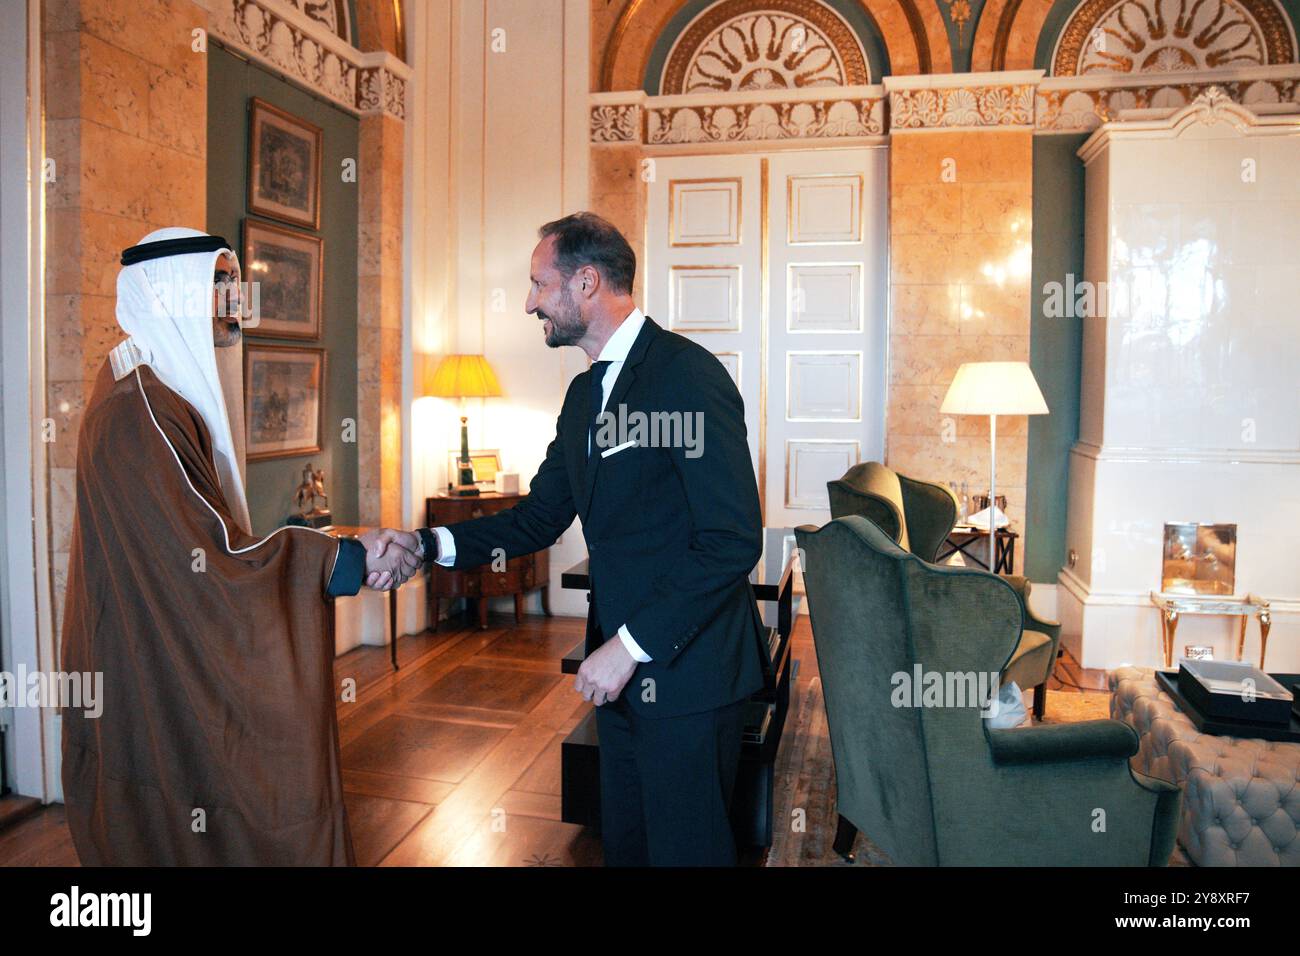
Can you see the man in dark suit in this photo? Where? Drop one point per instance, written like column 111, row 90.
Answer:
column 663, row 483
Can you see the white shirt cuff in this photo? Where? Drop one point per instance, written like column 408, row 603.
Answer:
column 632, row 646
column 446, row 547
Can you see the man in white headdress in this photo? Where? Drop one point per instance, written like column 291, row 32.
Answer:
column 218, row 739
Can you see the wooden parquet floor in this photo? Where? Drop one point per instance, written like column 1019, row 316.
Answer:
column 454, row 760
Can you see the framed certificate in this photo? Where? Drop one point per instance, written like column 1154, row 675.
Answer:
column 486, row 462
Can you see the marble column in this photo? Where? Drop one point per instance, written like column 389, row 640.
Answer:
column 125, row 99
column 961, row 219
column 379, row 320
column 618, row 192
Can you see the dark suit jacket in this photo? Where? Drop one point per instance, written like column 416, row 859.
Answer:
column 672, row 532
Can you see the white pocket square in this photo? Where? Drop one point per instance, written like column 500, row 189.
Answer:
column 618, row 448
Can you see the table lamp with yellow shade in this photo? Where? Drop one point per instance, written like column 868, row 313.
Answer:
column 993, row 389
column 462, row 377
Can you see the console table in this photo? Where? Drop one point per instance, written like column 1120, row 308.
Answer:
column 519, row 576
column 752, row 799
column 1173, row 606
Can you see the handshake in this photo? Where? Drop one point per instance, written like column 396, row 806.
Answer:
column 392, row 557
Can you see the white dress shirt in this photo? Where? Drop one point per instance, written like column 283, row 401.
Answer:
column 615, row 353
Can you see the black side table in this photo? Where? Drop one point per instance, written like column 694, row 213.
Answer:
column 974, row 545
column 754, row 795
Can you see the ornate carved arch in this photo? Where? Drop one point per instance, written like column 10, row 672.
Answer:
column 381, row 25
column 332, row 14
column 1136, row 36
column 1007, row 34
column 1158, row 36
column 785, row 44
column 913, row 34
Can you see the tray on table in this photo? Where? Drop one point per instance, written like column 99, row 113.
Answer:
column 1167, row 681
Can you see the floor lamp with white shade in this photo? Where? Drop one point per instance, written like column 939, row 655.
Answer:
column 993, row 389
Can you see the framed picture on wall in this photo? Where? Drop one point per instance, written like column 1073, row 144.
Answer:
column 284, row 165
column 283, row 400
column 286, row 265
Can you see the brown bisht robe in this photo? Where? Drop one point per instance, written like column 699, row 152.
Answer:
column 218, row 683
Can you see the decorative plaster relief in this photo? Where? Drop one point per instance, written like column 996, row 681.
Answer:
column 785, row 45
column 1163, row 36
column 962, row 106
column 304, row 48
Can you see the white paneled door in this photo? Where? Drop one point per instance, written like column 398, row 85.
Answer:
column 704, row 263
column 778, row 265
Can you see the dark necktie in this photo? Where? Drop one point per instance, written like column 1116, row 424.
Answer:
column 597, row 397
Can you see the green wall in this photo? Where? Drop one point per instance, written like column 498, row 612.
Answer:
column 1055, row 350
column 231, row 83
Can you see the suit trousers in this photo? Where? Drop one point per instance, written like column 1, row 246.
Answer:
column 666, row 785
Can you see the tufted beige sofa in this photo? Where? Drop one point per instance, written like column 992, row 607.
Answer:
column 1241, row 798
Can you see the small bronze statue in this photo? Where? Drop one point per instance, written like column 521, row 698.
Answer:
column 311, row 488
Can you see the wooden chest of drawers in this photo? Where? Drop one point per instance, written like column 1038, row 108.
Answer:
column 518, row 577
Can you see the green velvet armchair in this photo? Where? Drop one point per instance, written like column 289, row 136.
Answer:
column 926, row 778
column 918, row 516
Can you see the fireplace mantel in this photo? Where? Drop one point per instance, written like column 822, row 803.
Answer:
column 1189, row 407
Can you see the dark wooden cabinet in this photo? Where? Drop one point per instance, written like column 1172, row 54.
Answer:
column 517, row 578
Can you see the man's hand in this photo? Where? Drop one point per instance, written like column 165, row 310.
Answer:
column 391, row 557
column 603, row 675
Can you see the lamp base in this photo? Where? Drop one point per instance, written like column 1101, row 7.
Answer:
column 465, row 486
